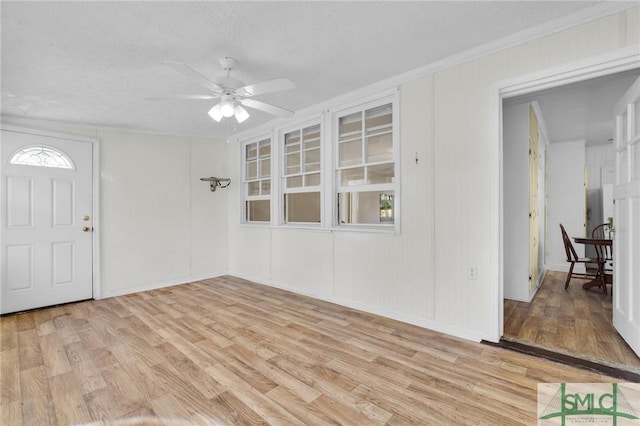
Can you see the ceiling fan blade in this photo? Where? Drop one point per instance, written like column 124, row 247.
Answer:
column 186, row 69
column 271, row 109
column 275, row 85
column 180, row 97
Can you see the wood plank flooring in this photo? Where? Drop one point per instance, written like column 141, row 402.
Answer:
column 575, row 322
column 228, row 351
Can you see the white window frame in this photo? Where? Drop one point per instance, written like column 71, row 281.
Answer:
column 393, row 100
column 245, row 191
column 329, row 185
column 282, row 176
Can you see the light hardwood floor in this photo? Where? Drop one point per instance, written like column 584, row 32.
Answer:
column 228, row 351
column 576, row 322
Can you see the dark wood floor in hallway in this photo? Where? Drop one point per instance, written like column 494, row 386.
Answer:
column 576, row 322
column 228, row 351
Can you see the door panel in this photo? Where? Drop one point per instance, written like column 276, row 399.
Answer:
column 46, row 256
column 626, row 280
column 63, row 200
column 20, row 267
column 20, row 202
column 63, row 263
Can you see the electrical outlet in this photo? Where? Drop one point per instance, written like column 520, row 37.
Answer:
column 472, row 273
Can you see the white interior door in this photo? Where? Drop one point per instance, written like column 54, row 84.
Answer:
column 46, row 234
column 626, row 253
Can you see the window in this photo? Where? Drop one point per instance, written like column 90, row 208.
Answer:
column 366, row 167
column 363, row 176
column 257, row 181
column 41, row 156
column 301, row 175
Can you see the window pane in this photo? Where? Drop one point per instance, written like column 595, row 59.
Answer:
column 265, row 148
column 622, row 169
column 253, row 188
column 312, row 180
column 312, row 160
column 302, row 207
column 635, row 167
column 292, row 138
column 252, row 151
column 293, row 163
column 294, row 182
column 265, row 168
column 378, row 119
column 266, row 187
column 252, row 170
column 381, row 173
column 350, row 126
column 636, row 127
column 623, row 134
column 386, row 207
column 352, row 176
column 380, row 148
column 41, row 156
column 258, row 211
column 365, row 207
column 311, row 136
column 351, row 153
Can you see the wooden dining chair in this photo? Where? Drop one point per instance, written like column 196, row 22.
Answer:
column 603, row 231
column 573, row 259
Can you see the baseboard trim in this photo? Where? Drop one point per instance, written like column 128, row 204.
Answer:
column 159, row 285
column 427, row 323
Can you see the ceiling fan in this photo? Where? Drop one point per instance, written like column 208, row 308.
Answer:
column 233, row 93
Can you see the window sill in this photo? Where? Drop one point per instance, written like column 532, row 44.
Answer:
column 371, row 229
column 384, row 229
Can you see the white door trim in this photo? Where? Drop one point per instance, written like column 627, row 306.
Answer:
column 97, row 289
column 596, row 66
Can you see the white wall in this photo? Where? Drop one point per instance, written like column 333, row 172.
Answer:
column 159, row 224
column 449, row 199
column 566, row 200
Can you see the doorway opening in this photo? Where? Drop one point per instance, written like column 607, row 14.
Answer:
column 540, row 314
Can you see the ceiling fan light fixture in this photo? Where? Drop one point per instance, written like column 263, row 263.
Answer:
column 241, row 114
column 232, row 93
column 215, row 113
column 227, row 108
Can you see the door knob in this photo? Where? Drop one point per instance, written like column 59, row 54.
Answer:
column 86, row 229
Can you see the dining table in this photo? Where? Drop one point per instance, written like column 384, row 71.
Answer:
column 601, row 278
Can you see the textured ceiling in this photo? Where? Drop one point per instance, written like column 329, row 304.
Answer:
column 94, row 62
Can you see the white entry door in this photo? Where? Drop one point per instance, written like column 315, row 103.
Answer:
column 46, row 235
column 626, row 251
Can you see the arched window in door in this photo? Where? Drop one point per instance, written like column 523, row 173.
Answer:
column 41, row 156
